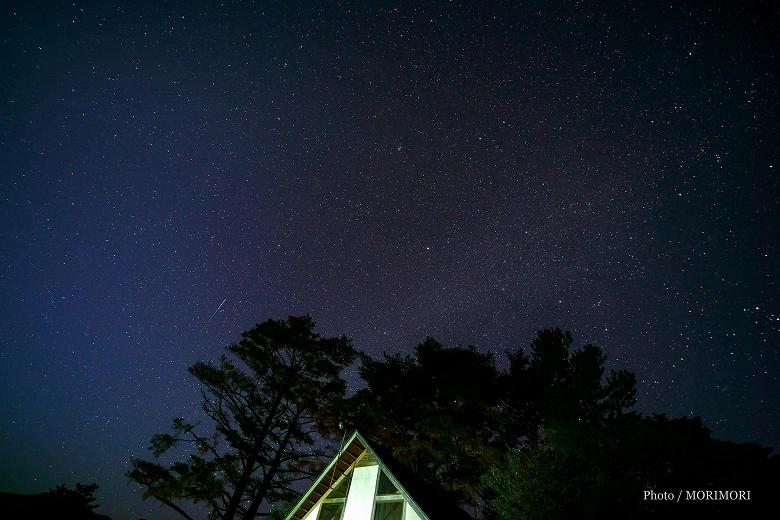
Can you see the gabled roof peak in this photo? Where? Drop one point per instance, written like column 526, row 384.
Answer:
column 355, row 452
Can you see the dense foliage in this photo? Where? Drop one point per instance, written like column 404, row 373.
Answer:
column 542, row 433
column 263, row 403
column 450, row 413
column 604, row 470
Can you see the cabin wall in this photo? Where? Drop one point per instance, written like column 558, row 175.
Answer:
column 360, row 499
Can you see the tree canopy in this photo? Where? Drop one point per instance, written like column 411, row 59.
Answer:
column 541, row 433
column 450, row 413
column 61, row 502
column 264, row 400
column 437, row 411
column 604, row 470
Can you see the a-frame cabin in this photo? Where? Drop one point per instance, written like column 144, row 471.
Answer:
column 361, row 484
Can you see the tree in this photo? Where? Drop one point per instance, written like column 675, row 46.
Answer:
column 603, row 471
column 264, row 402
column 434, row 411
column 559, row 402
column 449, row 413
column 553, row 385
column 556, row 478
column 61, row 502
column 82, row 498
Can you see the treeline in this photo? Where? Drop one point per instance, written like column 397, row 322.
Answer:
column 61, row 502
column 552, row 435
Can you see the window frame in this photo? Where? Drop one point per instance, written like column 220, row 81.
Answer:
column 398, row 496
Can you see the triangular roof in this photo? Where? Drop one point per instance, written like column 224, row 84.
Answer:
column 353, row 450
column 343, row 460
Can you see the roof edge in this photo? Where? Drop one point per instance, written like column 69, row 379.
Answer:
column 325, row 472
column 393, row 479
column 384, row 467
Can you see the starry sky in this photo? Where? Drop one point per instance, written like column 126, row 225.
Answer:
column 465, row 170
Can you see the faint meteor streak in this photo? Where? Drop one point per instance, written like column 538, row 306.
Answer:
column 215, row 312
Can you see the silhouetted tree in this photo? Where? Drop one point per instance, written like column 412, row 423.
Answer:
column 553, row 385
column 280, row 511
column 553, row 394
column 435, row 410
column 264, row 402
column 61, row 502
column 82, row 498
column 602, row 470
column 449, row 414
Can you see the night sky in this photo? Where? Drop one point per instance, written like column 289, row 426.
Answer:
column 468, row 171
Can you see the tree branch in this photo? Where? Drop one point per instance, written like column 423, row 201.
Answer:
column 173, row 506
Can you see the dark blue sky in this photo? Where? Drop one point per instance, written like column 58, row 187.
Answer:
column 469, row 172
